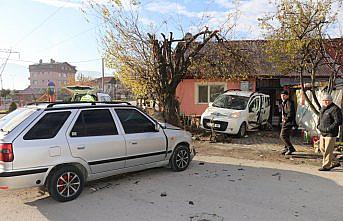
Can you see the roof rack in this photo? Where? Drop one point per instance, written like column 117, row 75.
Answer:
column 231, row 90
column 92, row 103
column 36, row 103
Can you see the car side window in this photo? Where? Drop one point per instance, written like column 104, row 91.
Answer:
column 134, row 122
column 94, row 123
column 48, row 126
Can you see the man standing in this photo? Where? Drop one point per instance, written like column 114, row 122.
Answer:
column 330, row 119
column 288, row 121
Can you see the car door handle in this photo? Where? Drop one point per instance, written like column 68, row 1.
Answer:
column 81, row 147
column 134, row 142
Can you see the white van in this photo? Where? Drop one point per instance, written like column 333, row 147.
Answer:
column 235, row 112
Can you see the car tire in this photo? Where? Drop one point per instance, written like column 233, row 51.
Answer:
column 242, row 130
column 65, row 184
column 180, row 159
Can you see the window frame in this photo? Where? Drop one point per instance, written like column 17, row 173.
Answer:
column 208, row 84
column 154, row 122
column 72, row 124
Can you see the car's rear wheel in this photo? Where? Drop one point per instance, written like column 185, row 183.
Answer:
column 66, row 183
column 180, row 159
column 242, row 130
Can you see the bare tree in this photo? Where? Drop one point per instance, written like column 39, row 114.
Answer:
column 153, row 65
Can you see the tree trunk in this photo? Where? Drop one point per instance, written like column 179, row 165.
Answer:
column 171, row 109
column 313, row 108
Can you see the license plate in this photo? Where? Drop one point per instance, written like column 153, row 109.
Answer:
column 213, row 125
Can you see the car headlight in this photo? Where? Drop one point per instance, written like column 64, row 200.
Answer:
column 235, row 115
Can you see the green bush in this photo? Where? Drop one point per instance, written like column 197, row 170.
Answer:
column 12, row 107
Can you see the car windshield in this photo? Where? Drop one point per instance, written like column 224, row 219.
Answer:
column 234, row 102
column 13, row 119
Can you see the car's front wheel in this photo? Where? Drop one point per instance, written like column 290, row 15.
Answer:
column 180, row 159
column 66, row 183
column 242, row 130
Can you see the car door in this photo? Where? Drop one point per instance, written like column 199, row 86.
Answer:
column 94, row 138
column 254, row 112
column 265, row 109
column 144, row 143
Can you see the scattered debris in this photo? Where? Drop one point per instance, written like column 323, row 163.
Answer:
column 191, row 203
column 136, row 182
column 276, row 174
column 163, row 194
column 97, row 188
column 206, row 217
column 201, row 163
column 240, row 169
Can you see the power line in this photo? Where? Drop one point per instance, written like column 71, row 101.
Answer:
column 42, row 23
column 72, row 62
column 71, row 37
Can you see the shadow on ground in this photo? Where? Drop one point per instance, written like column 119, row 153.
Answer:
column 206, row 191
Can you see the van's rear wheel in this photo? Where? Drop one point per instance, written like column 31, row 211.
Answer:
column 242, row 130
column 66, row 184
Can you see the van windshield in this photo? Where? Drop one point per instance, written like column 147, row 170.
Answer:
column 234, row 102
column 13, row 119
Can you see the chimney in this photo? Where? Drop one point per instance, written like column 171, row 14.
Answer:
column 40, row 61
column 52, row 61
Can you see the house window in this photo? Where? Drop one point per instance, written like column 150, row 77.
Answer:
column 64, row 75
column 34, row 82
column 206, row 93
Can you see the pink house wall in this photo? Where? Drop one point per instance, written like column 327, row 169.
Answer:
column 186, row 90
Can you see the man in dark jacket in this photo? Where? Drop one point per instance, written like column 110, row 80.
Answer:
column 330, row 119
column 288, row 122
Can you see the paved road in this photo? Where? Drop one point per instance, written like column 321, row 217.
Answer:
column 213, row 188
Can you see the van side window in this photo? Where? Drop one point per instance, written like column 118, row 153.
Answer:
column 48, row 126
column 134, row 122
column 94, row 123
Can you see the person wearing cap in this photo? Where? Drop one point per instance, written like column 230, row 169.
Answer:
column 330, row 118
column 288, row 122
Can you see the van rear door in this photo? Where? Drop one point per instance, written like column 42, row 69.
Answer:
column 254, row 111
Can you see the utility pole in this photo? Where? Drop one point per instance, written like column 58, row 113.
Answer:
column 103, row 75
column 3, row 66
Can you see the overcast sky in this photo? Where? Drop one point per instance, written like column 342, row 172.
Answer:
column 44, row 29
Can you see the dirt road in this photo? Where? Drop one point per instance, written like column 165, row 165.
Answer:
column 213, row 188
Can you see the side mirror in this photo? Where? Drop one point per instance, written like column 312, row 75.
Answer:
column 157, row 127
column 210, row 104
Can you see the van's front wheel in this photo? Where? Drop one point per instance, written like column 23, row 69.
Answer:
column 242, row 130
column 66, row 184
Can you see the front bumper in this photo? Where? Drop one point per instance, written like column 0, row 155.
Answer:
column 227, row 126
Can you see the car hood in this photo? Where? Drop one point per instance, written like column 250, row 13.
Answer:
column 169, row 126
column 219, row 112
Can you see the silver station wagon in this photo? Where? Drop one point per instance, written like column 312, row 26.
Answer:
column 60, row 146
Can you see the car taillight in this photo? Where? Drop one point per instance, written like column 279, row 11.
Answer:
column 6, row 152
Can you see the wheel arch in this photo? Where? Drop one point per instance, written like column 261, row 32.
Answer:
column 74, row 164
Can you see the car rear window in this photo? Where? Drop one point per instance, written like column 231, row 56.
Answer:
column 48, row 126
column 13, row 119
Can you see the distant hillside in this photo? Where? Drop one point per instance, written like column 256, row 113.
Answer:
column 92, row 74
